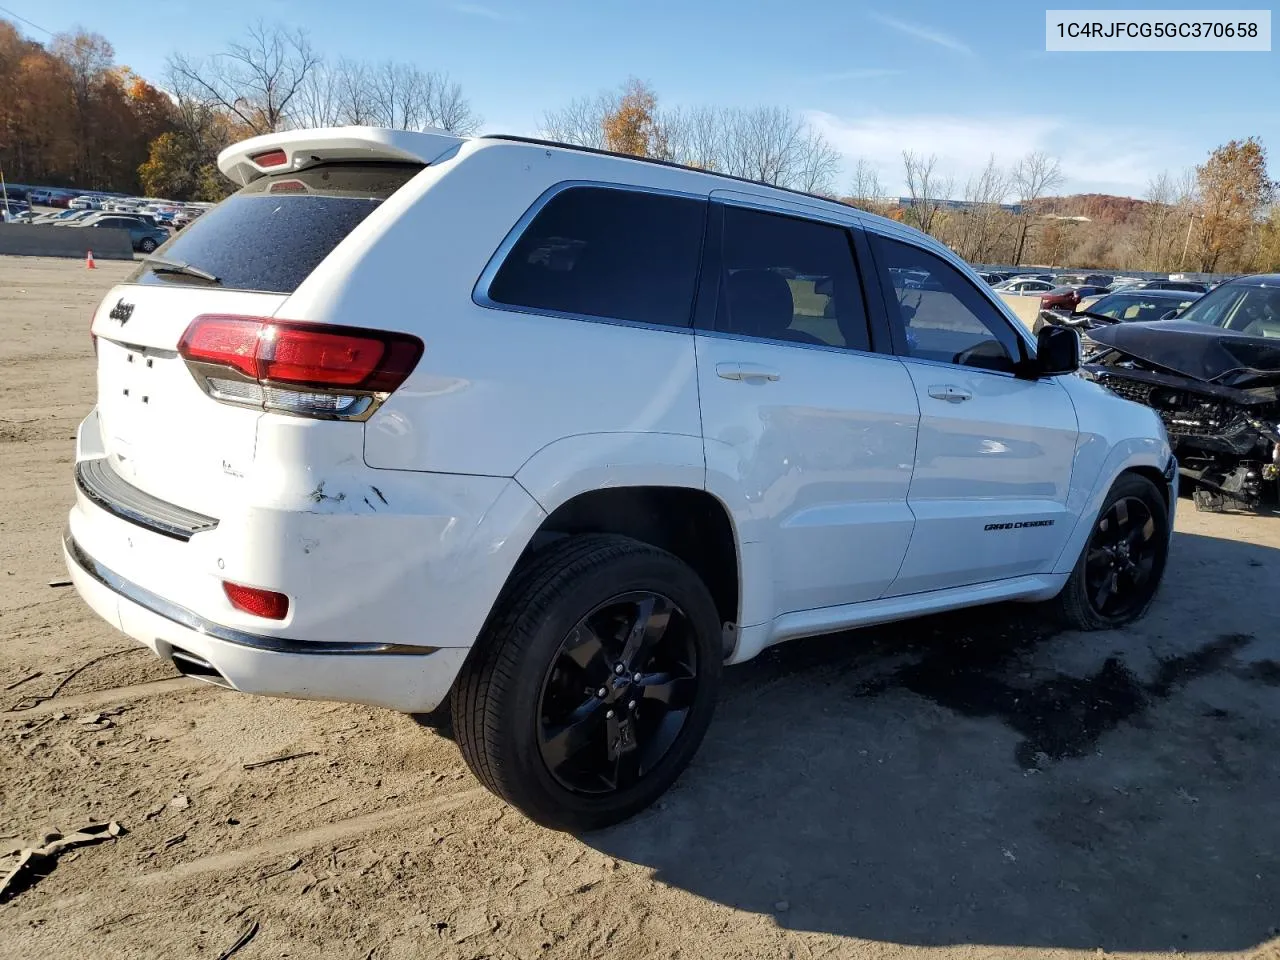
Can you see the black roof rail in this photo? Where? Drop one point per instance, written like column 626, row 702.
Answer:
column 661, row 163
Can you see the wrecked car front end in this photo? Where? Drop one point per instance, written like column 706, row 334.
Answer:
column 1218, row 393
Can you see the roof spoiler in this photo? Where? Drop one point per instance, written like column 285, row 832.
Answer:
column 256, row 157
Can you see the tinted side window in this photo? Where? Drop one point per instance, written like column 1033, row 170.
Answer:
column 944, row 316
column 601, row 252
column 784, row 278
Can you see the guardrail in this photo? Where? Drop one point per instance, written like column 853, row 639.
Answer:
column 30, row 240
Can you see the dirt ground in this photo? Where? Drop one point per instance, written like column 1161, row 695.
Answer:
column 973, row 785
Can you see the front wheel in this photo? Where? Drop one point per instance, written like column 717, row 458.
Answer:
column 593, row 683
column 147, row 246
column 1121, row 565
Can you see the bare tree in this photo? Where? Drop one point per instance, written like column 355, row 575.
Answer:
column 983, row 217
column 694, row 136
column 865, row 189
column 1034, row 176
column 446, row 107
column 356, row 103
column 255, row 80
column 396, row 95
column 317, row 101
column 764, row 144
column 926, row 187
column 816, row 164
column 581, row 122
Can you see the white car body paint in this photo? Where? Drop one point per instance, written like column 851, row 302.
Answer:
column 854, row 495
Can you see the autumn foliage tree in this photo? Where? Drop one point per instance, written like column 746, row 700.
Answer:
column 1234, row 190
column 71, row 116
column 632, row 125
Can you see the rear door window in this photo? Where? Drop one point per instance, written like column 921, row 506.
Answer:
column 610, row 253
column 791, row 279
column 270, row 235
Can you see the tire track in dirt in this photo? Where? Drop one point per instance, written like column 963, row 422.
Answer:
column 367, row 823
column 133, row 691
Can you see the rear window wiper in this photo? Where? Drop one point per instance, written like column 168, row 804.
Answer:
column 161, row 265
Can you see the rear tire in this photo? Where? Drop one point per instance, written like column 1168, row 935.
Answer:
column 1120, row 567
column 593, row 682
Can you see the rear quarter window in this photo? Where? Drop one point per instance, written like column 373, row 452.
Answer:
column 609, row 253
column 272, row 234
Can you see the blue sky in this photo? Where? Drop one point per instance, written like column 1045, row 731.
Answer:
column 960, row 80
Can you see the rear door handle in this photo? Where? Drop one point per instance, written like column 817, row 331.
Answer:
column 746, row 371
column 949, row 393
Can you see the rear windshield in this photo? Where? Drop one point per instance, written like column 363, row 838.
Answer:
column 272, row 234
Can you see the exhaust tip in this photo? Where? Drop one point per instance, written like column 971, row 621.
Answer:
column 198, row 668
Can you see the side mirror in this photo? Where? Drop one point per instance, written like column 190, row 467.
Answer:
column 1057, row 351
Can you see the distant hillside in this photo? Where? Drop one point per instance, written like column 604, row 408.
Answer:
column 1099, row 207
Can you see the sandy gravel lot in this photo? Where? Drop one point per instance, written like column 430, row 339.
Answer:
column 969, row 786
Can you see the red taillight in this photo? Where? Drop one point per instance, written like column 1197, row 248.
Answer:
column 261, row 603
column 225, row 341
column 272, row 158
column 288, row 186
column 302, row 354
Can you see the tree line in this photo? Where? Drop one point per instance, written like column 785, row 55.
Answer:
column 72, row 116
column 1220, row 216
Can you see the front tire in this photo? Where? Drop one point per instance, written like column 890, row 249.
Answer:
column 147, row 246
column 1120, row 567
column 593, row 682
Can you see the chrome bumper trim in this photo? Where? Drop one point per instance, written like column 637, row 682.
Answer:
column 185, row 618
column 110, row 491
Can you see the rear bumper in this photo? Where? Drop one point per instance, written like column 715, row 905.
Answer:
column 410, row 679
column 390, row 575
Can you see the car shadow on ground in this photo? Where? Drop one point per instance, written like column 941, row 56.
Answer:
column 982, row 778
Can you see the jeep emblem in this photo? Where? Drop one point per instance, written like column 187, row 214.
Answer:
column 121, row 311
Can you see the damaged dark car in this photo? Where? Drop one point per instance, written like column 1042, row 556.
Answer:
column 1213, row 376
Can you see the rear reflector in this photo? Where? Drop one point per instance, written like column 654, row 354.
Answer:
column 261, row 603
column 272, row 158
column 285, row 352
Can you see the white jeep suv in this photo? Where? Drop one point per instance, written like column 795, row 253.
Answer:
column 555, row 434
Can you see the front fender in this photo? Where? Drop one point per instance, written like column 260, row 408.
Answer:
column 1103, row 462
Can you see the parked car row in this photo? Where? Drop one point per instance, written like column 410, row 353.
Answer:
column 163, row 212
column 145, row 232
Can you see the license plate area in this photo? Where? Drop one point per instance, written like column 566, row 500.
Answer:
column 135, row 397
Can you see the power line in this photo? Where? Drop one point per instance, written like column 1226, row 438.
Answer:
column 25, row 20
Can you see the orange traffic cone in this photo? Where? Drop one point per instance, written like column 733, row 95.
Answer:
column 88, row 261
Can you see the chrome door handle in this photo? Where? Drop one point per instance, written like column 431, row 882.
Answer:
column 746, row 371
column 949, row 393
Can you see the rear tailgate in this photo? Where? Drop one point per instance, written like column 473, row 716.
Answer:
column 161, row 432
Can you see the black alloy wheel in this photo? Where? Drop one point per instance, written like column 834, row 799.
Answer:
column 1122, row 559
column 617, row 693
column 592, row 683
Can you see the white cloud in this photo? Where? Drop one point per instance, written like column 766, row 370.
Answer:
column 1094, row 159
column 924, row 33
column 486, row 13
column 862, row 73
